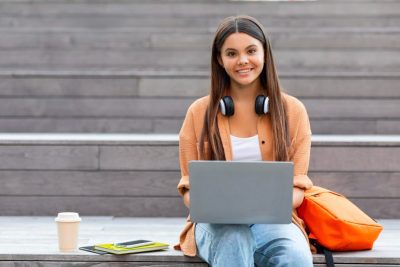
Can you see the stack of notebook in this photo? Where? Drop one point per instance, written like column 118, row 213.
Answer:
column 134, row 246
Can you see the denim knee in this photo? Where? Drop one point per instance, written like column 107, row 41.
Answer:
column 284, row 252
column 238, row 237
column 224, row 245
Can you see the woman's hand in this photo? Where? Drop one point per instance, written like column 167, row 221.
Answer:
column 298, row 196
column 186, row 199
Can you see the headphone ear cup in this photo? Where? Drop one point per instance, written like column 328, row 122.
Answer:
column 226, row 106
column 262, row 105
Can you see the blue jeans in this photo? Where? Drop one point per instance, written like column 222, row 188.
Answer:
column 245, row 245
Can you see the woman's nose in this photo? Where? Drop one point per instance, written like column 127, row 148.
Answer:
column 243, row 60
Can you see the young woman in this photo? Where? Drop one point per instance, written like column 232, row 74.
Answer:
column 225, row 125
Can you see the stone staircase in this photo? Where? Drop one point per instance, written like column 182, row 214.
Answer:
column 135, row 66
column 93, row 92
column 134, row 176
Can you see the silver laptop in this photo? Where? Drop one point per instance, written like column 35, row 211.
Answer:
column 241, row 192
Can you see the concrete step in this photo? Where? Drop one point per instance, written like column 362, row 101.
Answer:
column 288, row 59
column 199, row 8
column 104, row 14
column 131, row 20
column 176, row 108
column 173, row 125
column 140, row 102
column 136, row 175
column 22, row 245
column 184, row 83
column 88, row 39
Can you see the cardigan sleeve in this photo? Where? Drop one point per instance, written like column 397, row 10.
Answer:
column 187, row 150
column 301, row 151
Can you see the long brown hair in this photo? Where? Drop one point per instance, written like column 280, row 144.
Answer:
column 220, row 82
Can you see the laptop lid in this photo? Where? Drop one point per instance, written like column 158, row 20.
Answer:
column 241, row 192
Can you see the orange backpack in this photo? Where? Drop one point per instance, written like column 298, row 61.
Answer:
column 335, row 223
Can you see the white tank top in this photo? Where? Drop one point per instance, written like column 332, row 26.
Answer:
column 245, row 148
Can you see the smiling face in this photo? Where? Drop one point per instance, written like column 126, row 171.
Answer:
column 242, row 56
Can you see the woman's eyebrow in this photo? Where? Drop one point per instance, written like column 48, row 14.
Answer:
column 235, row 49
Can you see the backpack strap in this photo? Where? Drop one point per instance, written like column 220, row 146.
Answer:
column 329, row 258
column 322, row 250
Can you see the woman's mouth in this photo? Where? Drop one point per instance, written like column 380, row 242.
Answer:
column 244, row 71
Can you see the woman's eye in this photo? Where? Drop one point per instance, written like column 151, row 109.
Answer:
column 252, row 51
column 230, row 54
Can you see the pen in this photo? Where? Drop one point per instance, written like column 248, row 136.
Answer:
column 134, row 245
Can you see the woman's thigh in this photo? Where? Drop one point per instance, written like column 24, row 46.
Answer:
column 280, row 245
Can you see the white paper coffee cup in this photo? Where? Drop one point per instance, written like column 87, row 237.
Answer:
column 68, row 230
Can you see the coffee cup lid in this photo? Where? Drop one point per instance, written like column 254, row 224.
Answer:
column 68, row 217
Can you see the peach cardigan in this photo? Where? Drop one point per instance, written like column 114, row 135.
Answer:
column 189, row 136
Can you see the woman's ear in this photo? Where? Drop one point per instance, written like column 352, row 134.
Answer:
column 220, row 61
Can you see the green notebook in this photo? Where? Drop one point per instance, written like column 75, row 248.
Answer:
column 118, row 249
